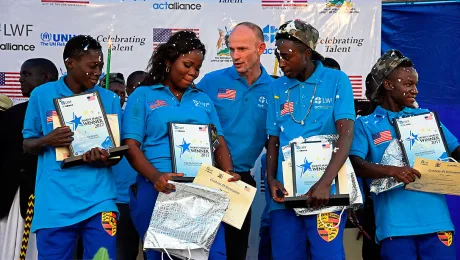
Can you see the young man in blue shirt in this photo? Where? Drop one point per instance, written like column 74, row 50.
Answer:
column 240, row 95
column 309, row 100
column 410, row 224
column 77, row 201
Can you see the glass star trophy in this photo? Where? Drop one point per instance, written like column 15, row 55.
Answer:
column 191, row 146
column 309, row 162
column 85, row 115
column 421, row 136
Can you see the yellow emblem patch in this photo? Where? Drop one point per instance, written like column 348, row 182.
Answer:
column 109, row 222
column 328, row 231
column 445, row 238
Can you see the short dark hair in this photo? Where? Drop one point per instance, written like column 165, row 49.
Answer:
column 181, row 42
column 45, row 66
column 255, row 28
column 77, row 46
column 331, row 63
column 134, row 75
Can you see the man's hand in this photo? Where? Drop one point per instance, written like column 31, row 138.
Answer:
column 160, row 182
column 59, row 137
column 236, row 176
column 275, row 188
column 318, row 195
column 404, row 174
column 97, row 157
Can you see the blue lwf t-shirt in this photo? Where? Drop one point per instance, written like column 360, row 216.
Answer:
column 64, row 197
column 242, row 110
column 399, row 212
column 327, row 94
column 151, row 108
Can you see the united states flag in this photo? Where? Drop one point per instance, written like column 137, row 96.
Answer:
column 66, row 1
column 357, row 85
column 157, row 104
column 287, row 3
column 225, row 93
column 9, row 84
column 203, row 129
column 429, row 117
column 382, row 137
column 91, row 98
column 286, row 108
column 49, row 115
column 161, row 35
column 325, row 146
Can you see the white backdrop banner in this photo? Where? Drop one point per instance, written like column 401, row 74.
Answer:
column 349, row 32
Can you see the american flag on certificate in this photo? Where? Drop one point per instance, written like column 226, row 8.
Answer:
column 49, row 115
column 382, row 137
column 286, row 108
column 203, row 128
column 9, row 84
column 429, row 117
column 90, row 98
column 225, row 93
column 161, row 35
column 357, row 85
column 325, row 146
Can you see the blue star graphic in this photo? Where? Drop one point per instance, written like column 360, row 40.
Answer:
column 184, row 147
column 75, row 122
column 306, row 166
column 412, row 138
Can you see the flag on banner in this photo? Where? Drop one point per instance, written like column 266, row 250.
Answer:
column 357, row 85
column 65, row 1
column 286, row 3
column 9, row 84
column 161, row 35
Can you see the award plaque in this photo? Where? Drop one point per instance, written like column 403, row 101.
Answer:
column 309, row 161
column 421, row 136
column 191, row 147
column 85, row 116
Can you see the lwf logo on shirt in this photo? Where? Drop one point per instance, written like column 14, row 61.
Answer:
column 323, row 103
column 262, row 101
column 201, row 103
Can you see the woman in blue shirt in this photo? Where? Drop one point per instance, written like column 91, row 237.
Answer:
column 410, row 224
column 168, row 95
